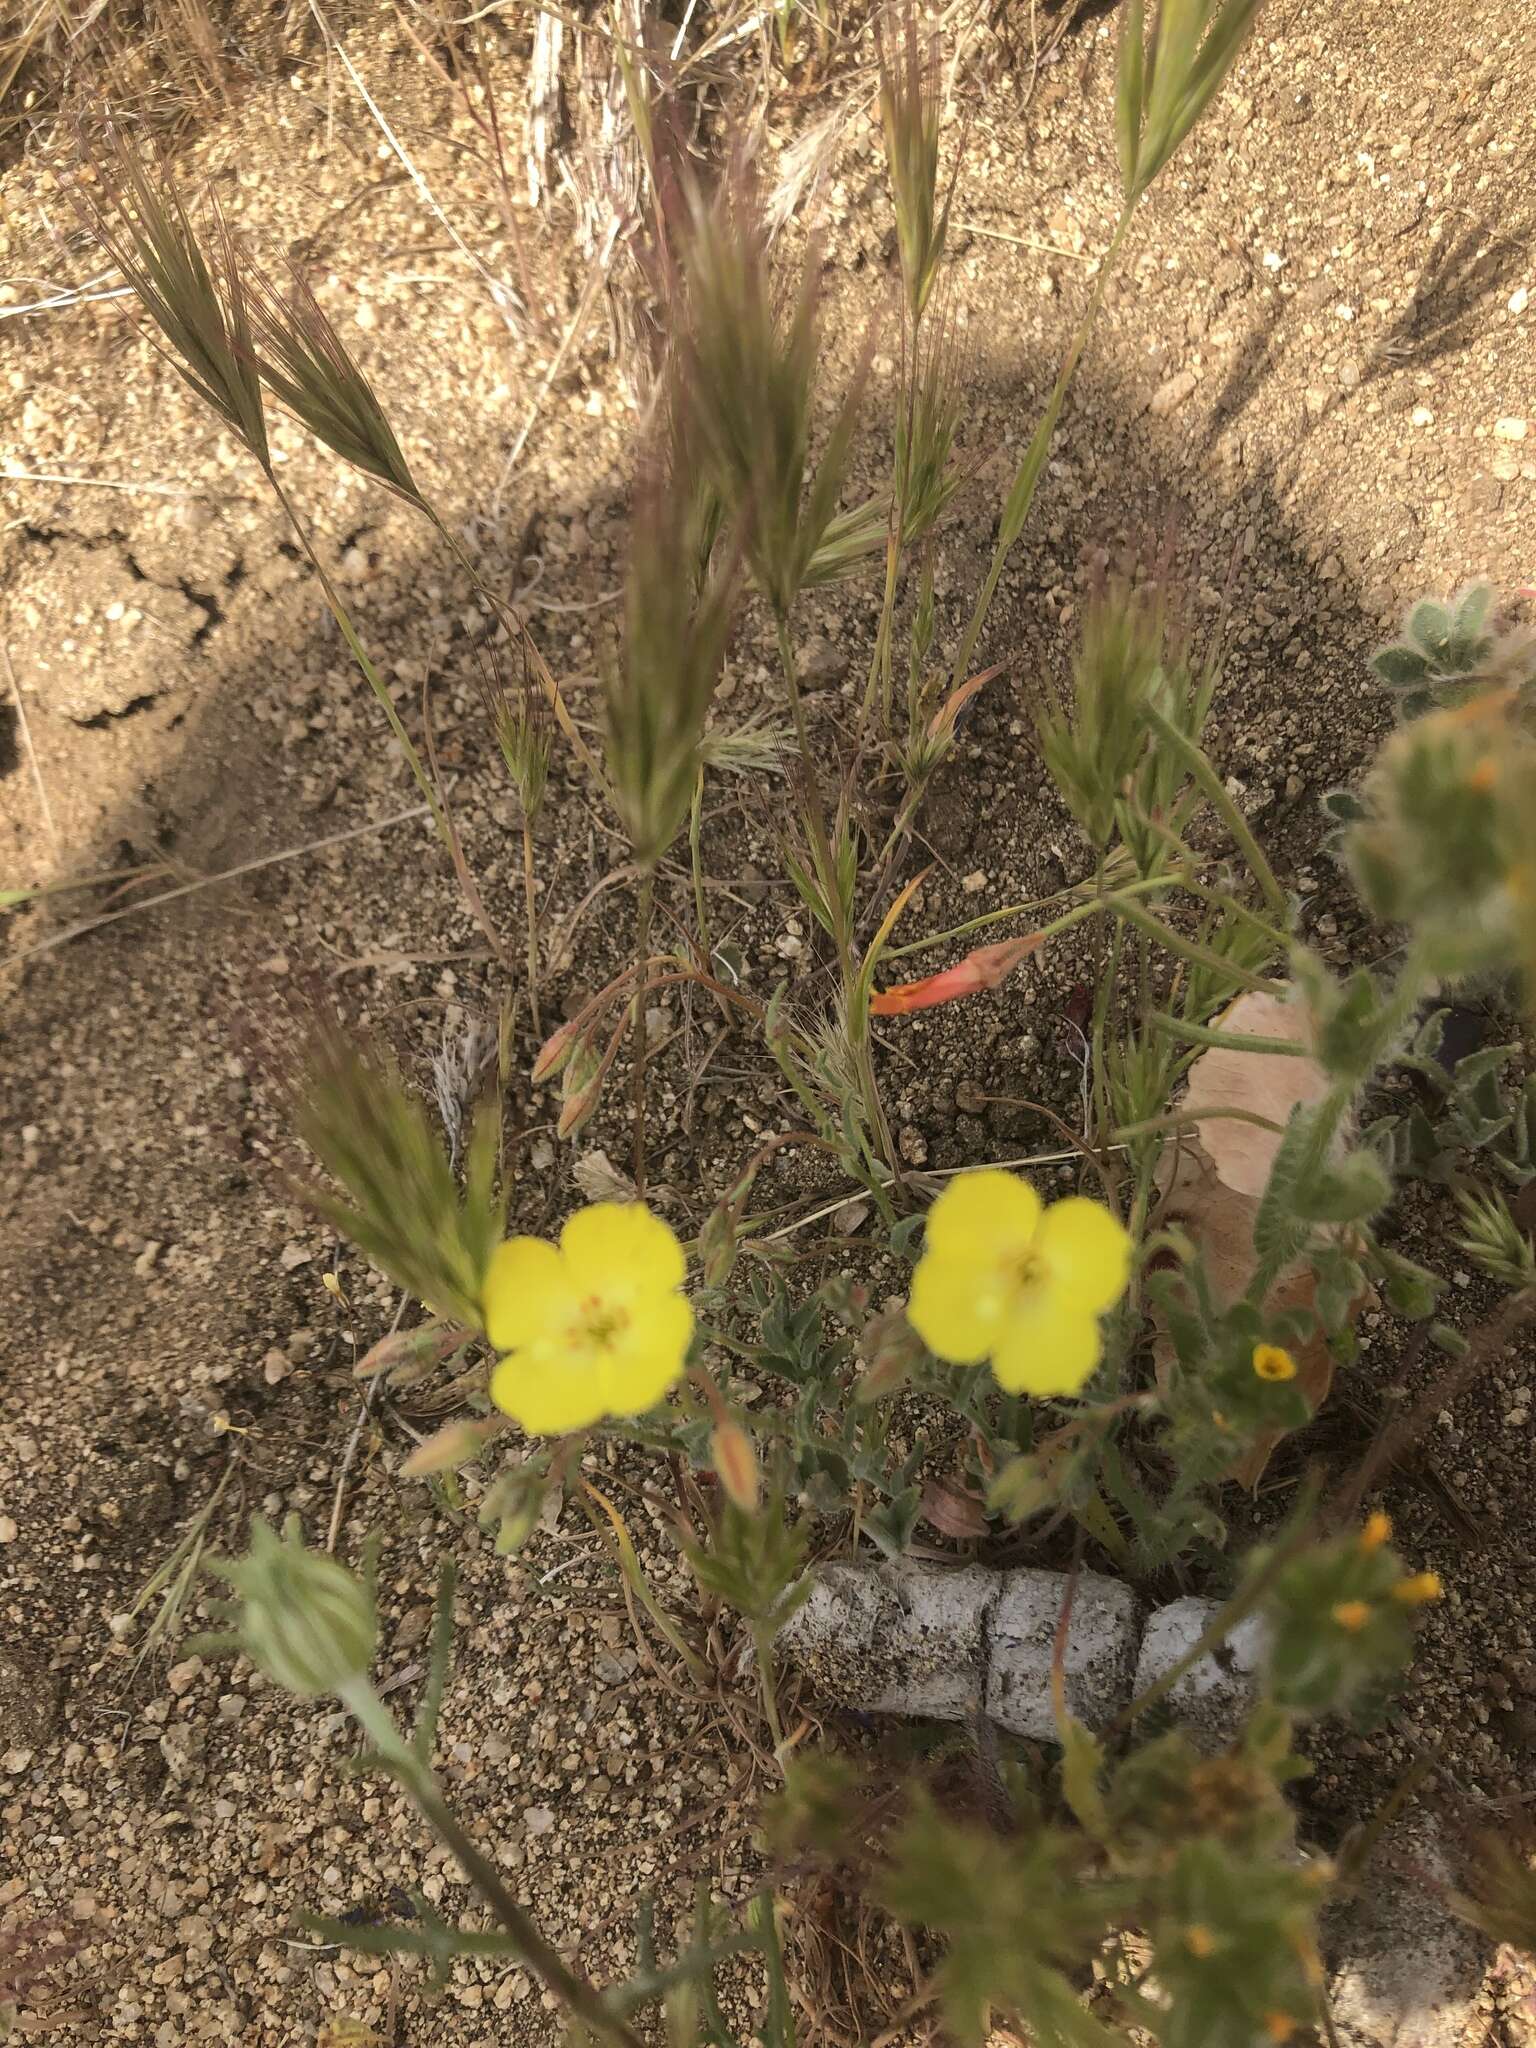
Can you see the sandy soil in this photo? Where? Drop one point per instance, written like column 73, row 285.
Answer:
column 1299, row 381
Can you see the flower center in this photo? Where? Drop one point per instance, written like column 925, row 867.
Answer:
column 598, row 1323
column 1026, row 1270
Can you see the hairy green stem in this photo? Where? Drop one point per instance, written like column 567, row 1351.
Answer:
column 1198, row 763
column 541, row 1956
column 1227, row 1041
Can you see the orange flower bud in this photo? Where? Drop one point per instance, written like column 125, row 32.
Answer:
column 1377, row 1531
column 553, row 1054
column 731, row 1454
column 1352, row 1615
column 983, row 969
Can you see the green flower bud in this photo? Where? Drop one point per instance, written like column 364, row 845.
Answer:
column 306, row 1620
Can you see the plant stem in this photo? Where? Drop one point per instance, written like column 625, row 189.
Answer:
column 1227, row 1041
column 1088, row 905
column 533, row 925
column 816, row 816
column 540, row 1954
column 762, row 1640
column 1186, row 1119
column 696, row 858
column 360, row 655
column 642, row 953
column 1016, row 510
column 1197, row 761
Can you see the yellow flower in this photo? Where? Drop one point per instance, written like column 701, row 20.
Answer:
column 1377, row 1531
column 1352, row 1615
column 1003, row 1278
column 594, row 1328
column 1273, row 1362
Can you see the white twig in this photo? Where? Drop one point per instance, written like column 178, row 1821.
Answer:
column 248, row 867
column 109, row 483
column 931, row 1173
column 974, row 227
column 363, row 1413
column 26, row 740
column 83, row 297
column 501, row 293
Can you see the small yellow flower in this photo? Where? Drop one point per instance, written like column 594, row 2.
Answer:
column 594, row 1328
column 1352, row 1615
column 1279, row 2026
column 1273, row 1362
column 1419, row 1589
column 1003, row 1277
column 1377, row 1531
column 1200, row 1941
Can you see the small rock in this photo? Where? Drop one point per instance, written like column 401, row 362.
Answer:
column 821, row 664
column 912, row 1145
column 1421, row 416
column 1098, row 1660
column 903, row 1639
column 275, row 1368
column 1169, row 396
column 975, row 882
column 1512, row 429
column 9, row 1529
column 1316, row 400
column 144, row 1264
column 850, row 1218
column 1407, row 1974
column 182, row 1676
column 1519, row 299
column 538, row 1820
column 1212, row 1696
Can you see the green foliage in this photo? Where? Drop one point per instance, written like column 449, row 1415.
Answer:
column 1341, row 1616
column 1448, row 654
column 402, row 1203
column 657, row 698
column 1162, row 90
column 307, row 365
column 747, row 383
column 910, row 109
column 1018, row 1913
column 1235, row 1947
column 301, row 1617
column 201, row 307
column 1446, row 843
column 755, row 1561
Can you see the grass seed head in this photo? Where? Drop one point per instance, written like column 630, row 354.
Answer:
column 910, row 119
column 200, row 302
column 307, row 365
column 657, row 695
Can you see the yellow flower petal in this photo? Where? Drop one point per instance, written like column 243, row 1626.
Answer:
column 526, row 1290
column 1086, row 1253
column 620, row 1247
column 1048, row 1347
column 646, row 1358
column 982, row 1215
column 957, row 1306
column 548, row 1391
